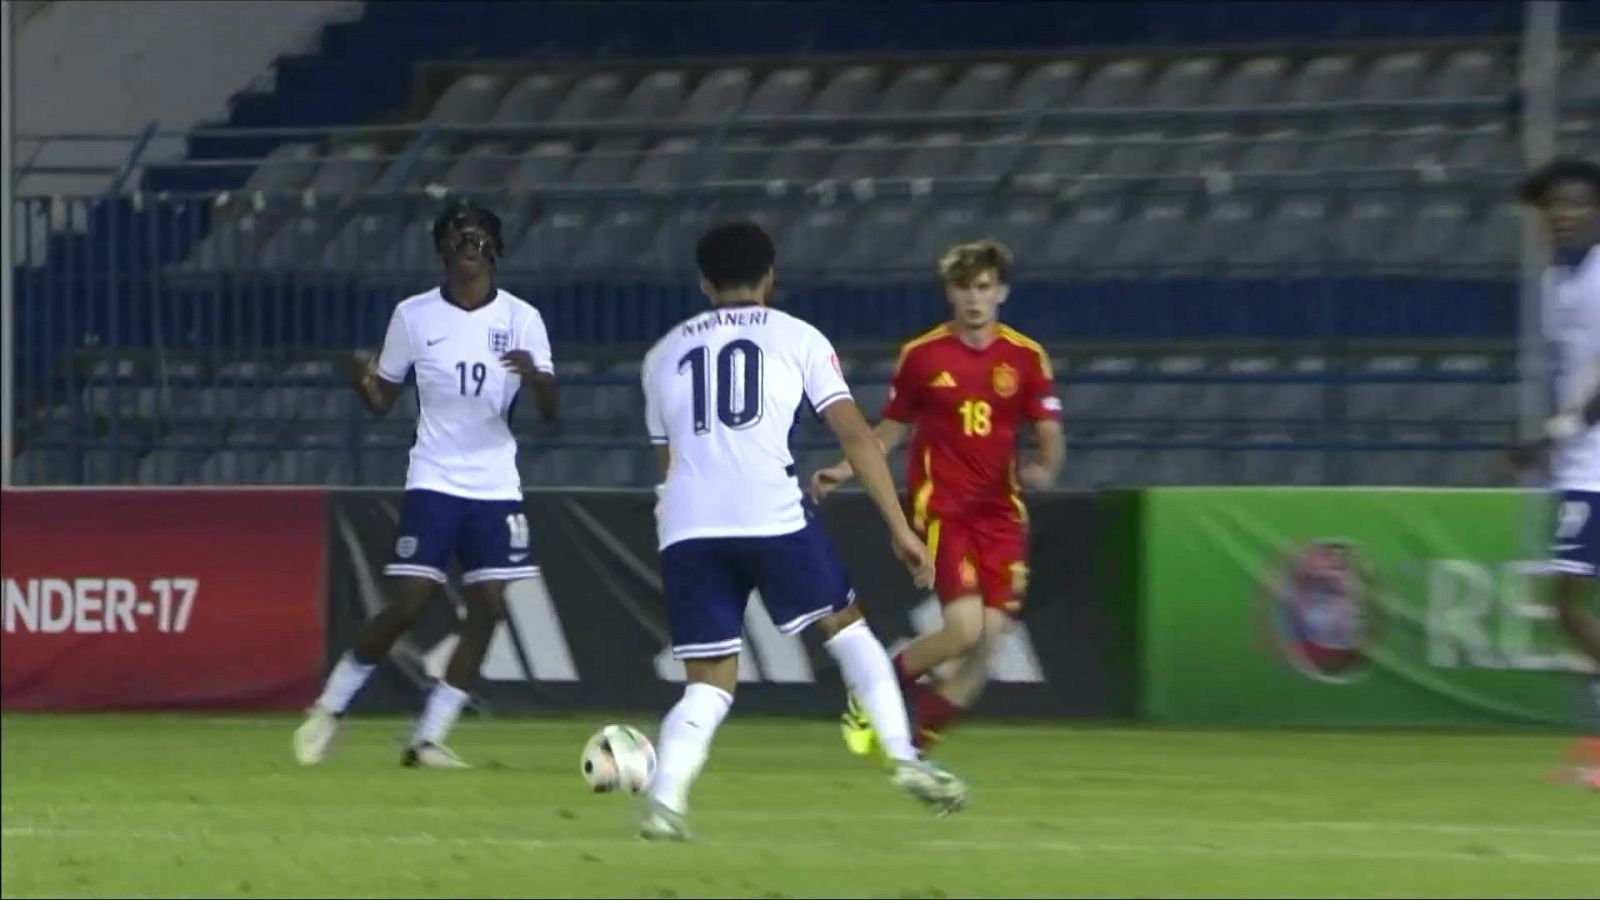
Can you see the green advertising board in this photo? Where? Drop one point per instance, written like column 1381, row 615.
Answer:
column 1346, row 607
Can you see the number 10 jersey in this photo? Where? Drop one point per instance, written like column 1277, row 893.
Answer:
column 721, row 391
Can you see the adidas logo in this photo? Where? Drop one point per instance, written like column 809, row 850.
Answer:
column 944, row 380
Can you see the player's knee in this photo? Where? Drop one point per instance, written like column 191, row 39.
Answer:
column 834, row 623
column 408, row 597
column 964, row 633
column 489, row 603
column 1569, row 608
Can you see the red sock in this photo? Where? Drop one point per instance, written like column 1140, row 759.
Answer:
column 935, row 714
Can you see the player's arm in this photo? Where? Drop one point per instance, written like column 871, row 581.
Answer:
column 1043, row 409
column 864, row 453
column 531, row 360
column 889, row 434
column 378, row 394
column 1044, row 468
column 1582, row 415
column 378, row 382
column 654, row 424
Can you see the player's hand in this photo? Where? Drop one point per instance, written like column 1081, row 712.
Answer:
column 1035, row 477
column 826, row 481
column 363, row 373
column 1534, row 454
column 914, row 553
column 520, row 362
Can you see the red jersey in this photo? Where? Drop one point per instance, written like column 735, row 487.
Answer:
column 965, row 407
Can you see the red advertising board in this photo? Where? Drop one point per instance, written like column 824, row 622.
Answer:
column 161, row 599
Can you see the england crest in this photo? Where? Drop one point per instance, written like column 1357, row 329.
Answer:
column 499, row 341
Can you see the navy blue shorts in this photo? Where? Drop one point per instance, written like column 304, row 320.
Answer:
column 1575, row 550
column 708, row 582
column 489, row 538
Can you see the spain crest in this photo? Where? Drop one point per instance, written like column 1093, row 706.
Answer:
column 1004, row 380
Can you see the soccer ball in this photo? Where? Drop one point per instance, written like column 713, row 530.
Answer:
column 618, row 757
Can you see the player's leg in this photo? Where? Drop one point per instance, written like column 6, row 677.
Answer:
column 956, row 583
column 706, row 583
column 494, row 546
column 427, row 532
column 1576, row 586
column 999, row 548
column 804, row 583
column 684, row 742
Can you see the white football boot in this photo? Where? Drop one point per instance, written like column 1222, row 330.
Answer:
column 314, row 737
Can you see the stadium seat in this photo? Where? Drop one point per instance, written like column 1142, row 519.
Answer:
column 658, row 95
column 851, row 90
column 784, row 93
column 1199, row 154
column 1580, row 79
column 1252, row 82
column 348, row 170
column 1115, row 85
column 938, row 155
column 814, row 240
column 914, row 90
column 1147, row 239
column 1394, row 76
column 619, row 240
column 1050, row 86
column 289, row 167
column 532, row 99
column 871, row 155
column 1482, row 146
column 943, row 226
column 597, row 96
column 1469, row 73
column 1082, row 239
column 1434, row 236
column 469, row 100
column 609, row 161
column 1322, row 79
column 1215, row 237
column 980, row 88
column 879, row 233
column 720, row 95
column 1297, row 230
column 1184, row 83
column 804, row 158
column 1367, row 232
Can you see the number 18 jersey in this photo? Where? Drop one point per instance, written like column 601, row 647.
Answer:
column 721, row 391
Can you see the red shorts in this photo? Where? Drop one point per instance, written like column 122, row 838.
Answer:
column 980, row 556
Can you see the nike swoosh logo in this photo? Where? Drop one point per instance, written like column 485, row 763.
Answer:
column 1563, row 548
column 518, row 557
column 434, row 341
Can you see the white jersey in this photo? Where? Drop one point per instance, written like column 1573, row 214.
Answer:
column 721, row 390
column 464, row 445
column 1572, row 322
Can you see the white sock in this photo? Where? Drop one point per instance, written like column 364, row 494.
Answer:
column 439, row 716
column 685, row 741
column 346, row 678
column 870, row 677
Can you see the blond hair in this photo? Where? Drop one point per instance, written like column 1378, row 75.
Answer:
column 961, row 263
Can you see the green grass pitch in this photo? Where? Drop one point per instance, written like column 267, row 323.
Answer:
column 151, row 806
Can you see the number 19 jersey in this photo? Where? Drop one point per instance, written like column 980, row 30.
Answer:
column 464, row 444
column 721, row 391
